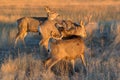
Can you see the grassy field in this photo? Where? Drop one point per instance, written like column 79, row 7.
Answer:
column 102, row 51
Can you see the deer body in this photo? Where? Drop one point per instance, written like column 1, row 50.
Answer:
column 40, row 19
column 27, row 24
column 70, row 49
column 46, row 29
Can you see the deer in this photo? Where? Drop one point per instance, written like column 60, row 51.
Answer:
column 48, row 28
column 71, row 30
column 51, row 28
column 68, row 49
column 58, row 32
column 29, row 24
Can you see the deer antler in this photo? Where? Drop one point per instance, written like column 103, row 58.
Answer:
column 88, row 19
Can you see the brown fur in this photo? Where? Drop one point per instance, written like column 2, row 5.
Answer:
column 27, row 24
column 30, row 24
column 68, row 24
column 48, row 28
column 40, row 19
column 74, row 29
column 70, row 49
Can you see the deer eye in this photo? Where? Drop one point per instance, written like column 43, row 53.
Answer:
column 48, row 50
column 80, row 26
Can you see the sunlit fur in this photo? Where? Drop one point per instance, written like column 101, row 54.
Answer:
column 48, row 28
column 32, row 24
column 70, row 49
column 27, row 24
column 71, row 28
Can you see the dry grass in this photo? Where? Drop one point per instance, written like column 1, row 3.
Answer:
column 24, row 68
column 100, row 10
column 27, row 67
column 102, row 45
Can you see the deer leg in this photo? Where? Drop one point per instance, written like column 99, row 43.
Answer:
column 23, row 38
column 51, row 62
column 73, row 65
column 41, row 42
column 84, row 63
column 16, row 39
column 83, row 60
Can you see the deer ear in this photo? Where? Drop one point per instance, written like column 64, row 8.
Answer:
column 47, row 9
column 81, row 23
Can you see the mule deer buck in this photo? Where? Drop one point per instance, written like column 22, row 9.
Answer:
column 68, row 29
column 70, row 49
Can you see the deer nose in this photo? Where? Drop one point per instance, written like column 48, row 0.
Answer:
column 58, row 15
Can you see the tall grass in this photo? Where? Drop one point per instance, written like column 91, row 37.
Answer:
column 24, row 68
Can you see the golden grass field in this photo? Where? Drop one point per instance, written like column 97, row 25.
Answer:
column 102, row 45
